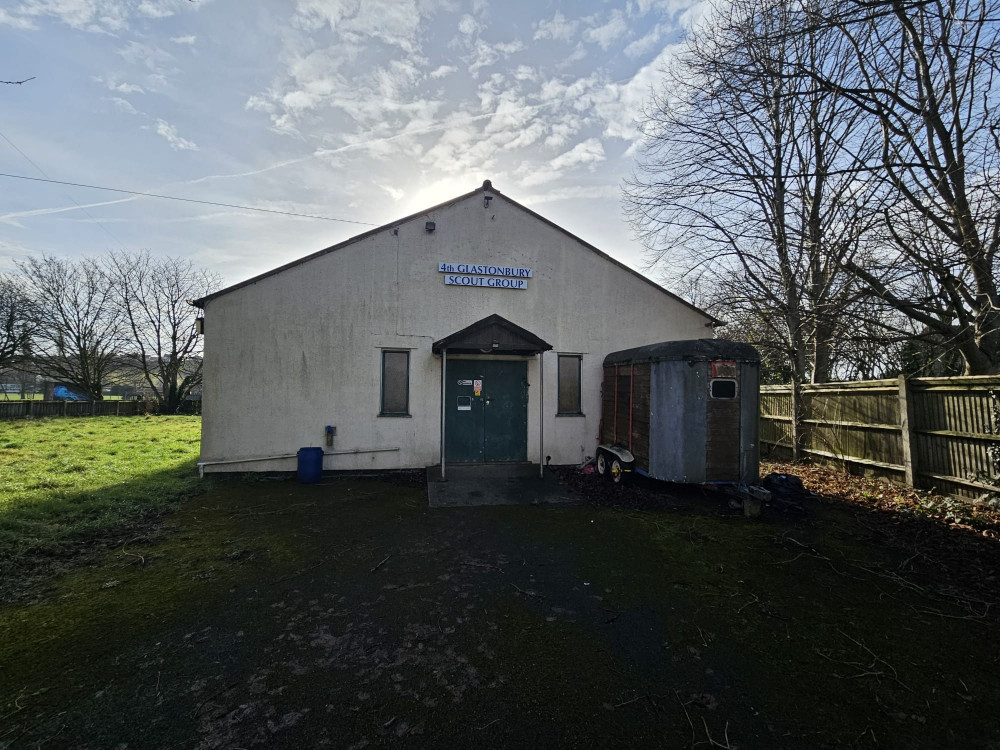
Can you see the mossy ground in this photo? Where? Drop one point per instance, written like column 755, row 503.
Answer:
column 348, row 614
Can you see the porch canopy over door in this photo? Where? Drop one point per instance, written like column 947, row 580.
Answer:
column 492, row 335
column 497, row 336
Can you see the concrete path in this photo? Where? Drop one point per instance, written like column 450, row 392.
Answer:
column 495, row 484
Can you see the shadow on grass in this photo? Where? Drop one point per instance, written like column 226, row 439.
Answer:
column 957, row 566
column 41, row 537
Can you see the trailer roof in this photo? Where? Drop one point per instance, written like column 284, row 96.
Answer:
column 695, row 350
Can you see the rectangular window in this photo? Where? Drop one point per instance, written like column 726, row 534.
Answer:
column 569, row 384
column 395, row 384
column 723, row 388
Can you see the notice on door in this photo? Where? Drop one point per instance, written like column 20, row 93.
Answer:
column 465, row 382
column 477, row 387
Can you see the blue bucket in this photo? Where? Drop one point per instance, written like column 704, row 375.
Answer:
column 310, row 467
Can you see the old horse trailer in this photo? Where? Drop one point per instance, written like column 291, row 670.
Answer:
column 681, row 411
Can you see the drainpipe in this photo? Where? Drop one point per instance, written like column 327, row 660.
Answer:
column 444, row 374
column 541, row 417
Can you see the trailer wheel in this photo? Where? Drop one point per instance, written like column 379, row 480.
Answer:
column 602, row 464
column 617, row 471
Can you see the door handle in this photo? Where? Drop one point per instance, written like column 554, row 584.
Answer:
column 487, row 402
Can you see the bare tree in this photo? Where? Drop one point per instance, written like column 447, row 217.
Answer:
column 18, row 323
column 164, row 345
column 79, row 333
column 749, row 183
column 925, row 76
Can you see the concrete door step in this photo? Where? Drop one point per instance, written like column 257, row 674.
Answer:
column 495, row 484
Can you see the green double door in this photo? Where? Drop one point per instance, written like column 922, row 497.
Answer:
column 486, row 410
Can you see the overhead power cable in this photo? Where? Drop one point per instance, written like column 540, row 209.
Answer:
column 186, row 200
column 45, row 174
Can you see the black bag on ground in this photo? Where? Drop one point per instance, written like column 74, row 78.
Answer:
column 786, row 488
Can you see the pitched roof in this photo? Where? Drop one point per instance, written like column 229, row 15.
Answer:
column 694, row 350
column 493, row 334
column 487, row 186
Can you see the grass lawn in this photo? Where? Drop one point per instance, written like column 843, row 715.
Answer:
column 65, row 481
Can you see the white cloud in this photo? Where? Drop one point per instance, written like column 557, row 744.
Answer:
column 562, row 128
column 259, row 104
column 189, row 39
column 395, row 193
column 665, row 7
column 608, row 32
column 17, row 21
column 102, row 16
column 644, row 44
column 123, row 105
column 397, row 78
column 569, row 192
column 589, row 151
column 468, row 25
column 485, row 55
column 443, row 70
column 113, row 84
column 525, row 73
column 394, row 22
column 557, row 28
column 146, row 55
column 619, row 104
column 12, row 218
column 169, row 133
column 153, row 10
column 298, row 101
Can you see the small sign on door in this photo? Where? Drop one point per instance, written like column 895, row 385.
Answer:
column 465, row 382
column 465, row 403
column 477, row 387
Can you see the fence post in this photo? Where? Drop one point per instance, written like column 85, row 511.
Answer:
column 118, row 408
column 62, row 409
column 906, row 427
column 798, row 426
column 27, row 408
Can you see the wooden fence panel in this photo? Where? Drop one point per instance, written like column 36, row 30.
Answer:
column 13, row 409
column 25, row 409
column 877, row 406
column 944, row 430
column 48, row 408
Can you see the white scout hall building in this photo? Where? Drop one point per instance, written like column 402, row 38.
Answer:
column 472, row 332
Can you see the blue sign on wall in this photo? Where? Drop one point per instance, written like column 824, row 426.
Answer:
column 487, row 281
column 484, row 270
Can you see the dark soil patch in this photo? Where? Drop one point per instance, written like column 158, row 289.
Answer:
column 350, row 615
column 952, row 550
column 640, row 493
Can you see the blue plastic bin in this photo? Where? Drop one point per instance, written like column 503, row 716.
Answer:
column 310, row 468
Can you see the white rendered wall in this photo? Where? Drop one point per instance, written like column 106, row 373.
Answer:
column 302, row 349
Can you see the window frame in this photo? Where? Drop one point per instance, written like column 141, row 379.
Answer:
column 381, row 398
column 711, row 389
column 579, row 385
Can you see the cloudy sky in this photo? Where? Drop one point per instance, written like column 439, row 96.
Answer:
column 357, row 109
